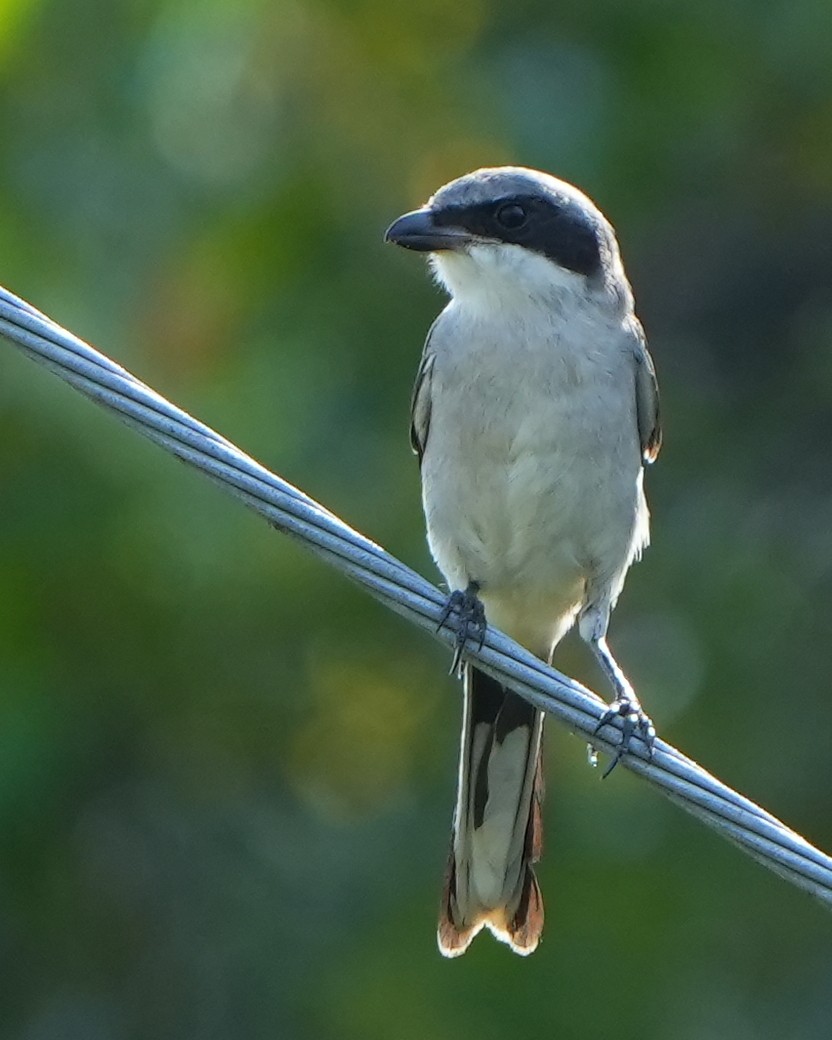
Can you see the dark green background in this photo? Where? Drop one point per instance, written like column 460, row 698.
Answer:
column 226, row 775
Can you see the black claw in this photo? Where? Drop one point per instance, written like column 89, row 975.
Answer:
column 634, row 722
column 616, row 758
column 471, row 623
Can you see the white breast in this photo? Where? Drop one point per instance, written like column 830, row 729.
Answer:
column 532, row 472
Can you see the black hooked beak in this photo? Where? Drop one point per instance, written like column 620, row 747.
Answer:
column 418, row 231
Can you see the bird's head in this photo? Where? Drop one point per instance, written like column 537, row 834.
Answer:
column 508, row 230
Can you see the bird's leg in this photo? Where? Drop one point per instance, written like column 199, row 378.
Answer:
column 471, row 623
column 626, row 704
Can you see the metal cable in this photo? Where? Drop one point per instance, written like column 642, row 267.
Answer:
column 287, row 508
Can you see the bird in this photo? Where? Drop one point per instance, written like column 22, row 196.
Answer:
column 534, row 413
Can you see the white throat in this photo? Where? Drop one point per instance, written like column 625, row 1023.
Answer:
column 492, row 275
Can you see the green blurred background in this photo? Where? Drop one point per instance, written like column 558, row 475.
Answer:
column 226, row 775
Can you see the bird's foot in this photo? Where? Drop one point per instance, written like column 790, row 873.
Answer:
column 636, row 723
column 470, row 620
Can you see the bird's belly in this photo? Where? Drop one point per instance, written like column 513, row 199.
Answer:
column 532, row 521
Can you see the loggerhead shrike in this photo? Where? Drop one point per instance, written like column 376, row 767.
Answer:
column 534, row 412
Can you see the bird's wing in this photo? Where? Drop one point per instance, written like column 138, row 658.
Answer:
column 420, row 403
column 647, row 397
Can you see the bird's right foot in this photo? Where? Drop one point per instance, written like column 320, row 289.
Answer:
column 470, row 620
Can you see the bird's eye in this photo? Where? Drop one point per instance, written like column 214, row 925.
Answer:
column 511, row 215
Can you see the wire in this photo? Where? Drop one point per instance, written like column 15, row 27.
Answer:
column 287, row 508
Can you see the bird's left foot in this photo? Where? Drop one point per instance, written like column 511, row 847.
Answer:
column 470, row 624
column 636, row 723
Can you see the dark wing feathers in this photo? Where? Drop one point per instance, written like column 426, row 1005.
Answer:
column 420, row 405
column 647, row 398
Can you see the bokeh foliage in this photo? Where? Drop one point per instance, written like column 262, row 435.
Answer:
column 226, row 776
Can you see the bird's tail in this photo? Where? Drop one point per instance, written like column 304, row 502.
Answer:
column 497, row 826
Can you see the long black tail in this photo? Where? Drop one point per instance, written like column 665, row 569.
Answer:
column 497, row 826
